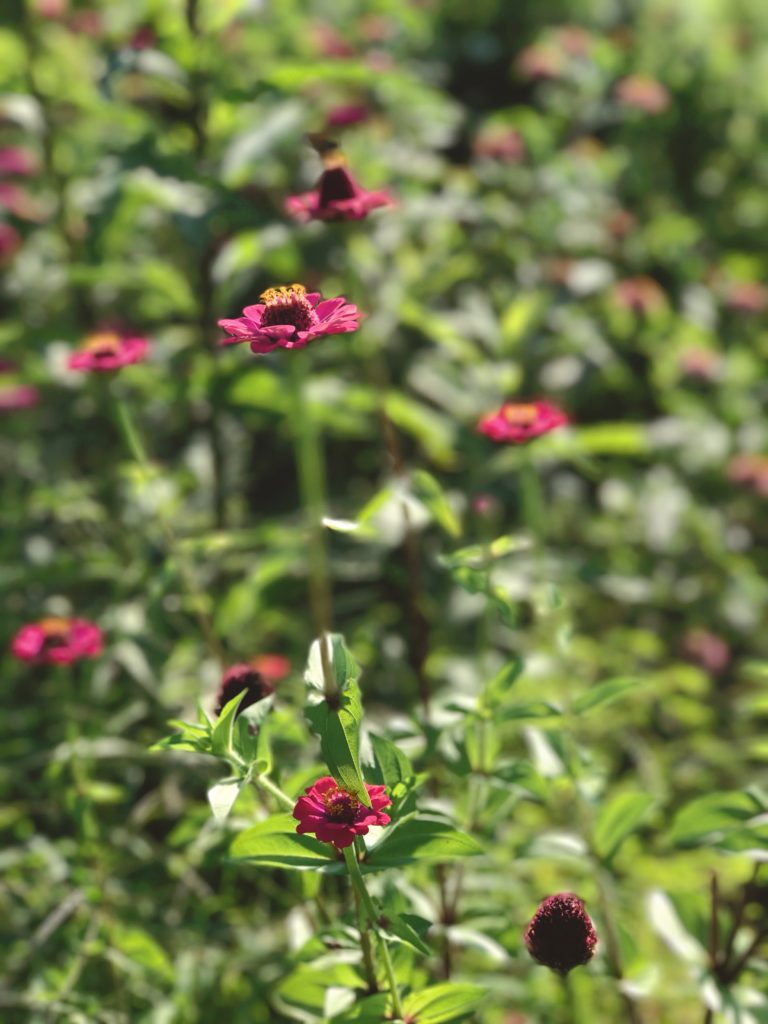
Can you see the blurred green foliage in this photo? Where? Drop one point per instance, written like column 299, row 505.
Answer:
column 622, row 756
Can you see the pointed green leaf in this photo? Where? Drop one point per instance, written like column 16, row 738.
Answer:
column 603, row 693
column 442, row 1003
column 421, row 839
column 431, row 494
column 221, row 737
column 275, row 842
column 222, row 797
column 618, row 819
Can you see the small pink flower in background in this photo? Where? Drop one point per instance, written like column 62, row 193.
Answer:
column 21, row 397
column 560, row 934
column 273, row 667
column 242, row 677
column 51, row 8
column 540, row 61
column 621, row 223
column 107, row 350
column 337, row 196
column 143, row 38
column 329, row 41
column 499, row 143
column 707, row 649
column 55, row 641
column 18, row 161
column 639, row 294
column 337, row 816
column 17, row 201
column 700, row 363
column 642, row 92
column 345, row 114
column 290, row 317
column 519, row 422
column 10, row 242
column 746, row 296
column 750, row 469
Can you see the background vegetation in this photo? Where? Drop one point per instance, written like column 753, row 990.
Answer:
column 627, row 761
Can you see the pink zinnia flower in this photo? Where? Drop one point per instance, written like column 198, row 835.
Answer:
column 345, row 114
column 746, row 296
column 642, row 92
column 337, row 196
column 107, row 350
column 21, row 397
column 518, row 422
column 540, row 61
column 337, row 816
column 15, row 160
column 560, row 934
column 56, row 641
column 707, row 649
column 238, row 678
column 290, row 317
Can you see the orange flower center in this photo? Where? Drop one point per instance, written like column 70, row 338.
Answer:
column 102, row 343
column 56, row 631
column 340, row 805
column 521, row 415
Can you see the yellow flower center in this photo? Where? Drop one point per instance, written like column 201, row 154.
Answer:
column 520, row 415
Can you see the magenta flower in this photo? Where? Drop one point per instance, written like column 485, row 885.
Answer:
column 57, row 641
column 16, row 160
column 560, row 934
column 20, row 397
column 639, row 294
column 336, row 816
column 242, row 677
column 290, row 317
column 337, row 196
column 519, row 422
column 345, row 114
column 107, row 350
column 10, row 242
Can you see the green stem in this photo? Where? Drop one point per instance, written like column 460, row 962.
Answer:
column 309, row 466
column 137, row 450
column 364, row 927
column 356, row 877
column 265, row 783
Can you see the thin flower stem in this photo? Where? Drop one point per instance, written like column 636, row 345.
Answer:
column 358, row 883
column 612, row 949
column 568, row 1002
column 135, row 446
column 310, row 470
column 265, row 783
column 364, row 927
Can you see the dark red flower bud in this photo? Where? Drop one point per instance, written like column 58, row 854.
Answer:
column 239, row 678
column 561, row 935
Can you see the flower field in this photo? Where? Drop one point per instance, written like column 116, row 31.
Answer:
column 383, row 479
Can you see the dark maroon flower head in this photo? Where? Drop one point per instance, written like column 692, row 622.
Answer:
column 337, row 196
column 56, row 641
column 520, row 422
column 560, row 934
column 336, row 816
column 290, row 317
column 238, row 678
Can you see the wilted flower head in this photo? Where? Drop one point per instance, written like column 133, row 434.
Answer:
column 107, row 350
column 335, row 815
column 518, row 422
column 55, row 641
column 560, row 934
column 642, row 92
column 290, row 317
column 751, row 469
column 238, row 678
column 640, row 294
column 336, row 196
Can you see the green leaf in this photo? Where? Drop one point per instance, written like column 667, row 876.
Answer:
column 536, row 709
column 480, row 555
column 421, row 839
column 276, row 843
column 431, row 494
column 442, row 1003
column 617, row 820
column 140, row 947
column 408, row 929
column 338, row 728
column 372, row 1010
column 707, row 818
column 221, row 737
column 501, row 684
column 603, row 693
column 393, row 766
